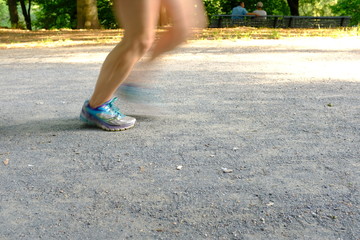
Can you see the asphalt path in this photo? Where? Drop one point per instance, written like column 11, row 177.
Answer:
column 261, row 141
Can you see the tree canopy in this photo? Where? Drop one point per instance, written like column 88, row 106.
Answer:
column 348, row 8
column 55, row 14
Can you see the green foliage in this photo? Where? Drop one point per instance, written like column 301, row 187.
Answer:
column 348, row 8
column 316, row 7
column 4, row 14
column 213, row 7
column 53, row 14
column 106, row 14
column 276, row 7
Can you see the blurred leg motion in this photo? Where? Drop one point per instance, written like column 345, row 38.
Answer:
column 185, row 15
column 139, row 19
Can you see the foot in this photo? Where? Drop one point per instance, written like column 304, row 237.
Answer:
column 144, row 100
column 106, row 116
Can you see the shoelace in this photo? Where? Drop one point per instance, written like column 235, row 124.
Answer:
column 114, row 108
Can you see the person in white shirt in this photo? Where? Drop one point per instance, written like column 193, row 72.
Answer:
column 259, row 10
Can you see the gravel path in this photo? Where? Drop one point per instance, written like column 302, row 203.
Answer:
column 267, row 133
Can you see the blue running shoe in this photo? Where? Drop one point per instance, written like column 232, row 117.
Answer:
column 107, row 117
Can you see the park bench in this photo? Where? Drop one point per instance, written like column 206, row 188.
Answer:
column 274, row 21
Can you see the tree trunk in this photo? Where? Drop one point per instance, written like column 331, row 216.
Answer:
column 87, row 14
column 14, row 16
column 26, row 13
column 294, row 7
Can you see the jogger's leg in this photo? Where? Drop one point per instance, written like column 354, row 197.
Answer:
column 139, row 19
column 185, row 15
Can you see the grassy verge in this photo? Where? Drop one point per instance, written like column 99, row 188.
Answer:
column 21, row 38
column 272, row 33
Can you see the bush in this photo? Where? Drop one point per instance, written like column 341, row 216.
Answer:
column 348, row 8
column 106, row 14
column 55, row 14
column 4, row 14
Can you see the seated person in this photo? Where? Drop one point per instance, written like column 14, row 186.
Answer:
column 239, row 12
column 259, row 10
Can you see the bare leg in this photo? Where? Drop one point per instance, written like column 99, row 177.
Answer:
column 139, row 18
column 185, row 15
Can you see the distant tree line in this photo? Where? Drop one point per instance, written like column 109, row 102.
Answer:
column 95, row 14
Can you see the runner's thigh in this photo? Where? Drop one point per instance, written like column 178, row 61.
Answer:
column 138, row 17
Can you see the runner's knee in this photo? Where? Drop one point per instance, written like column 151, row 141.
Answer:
column 141, row 43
